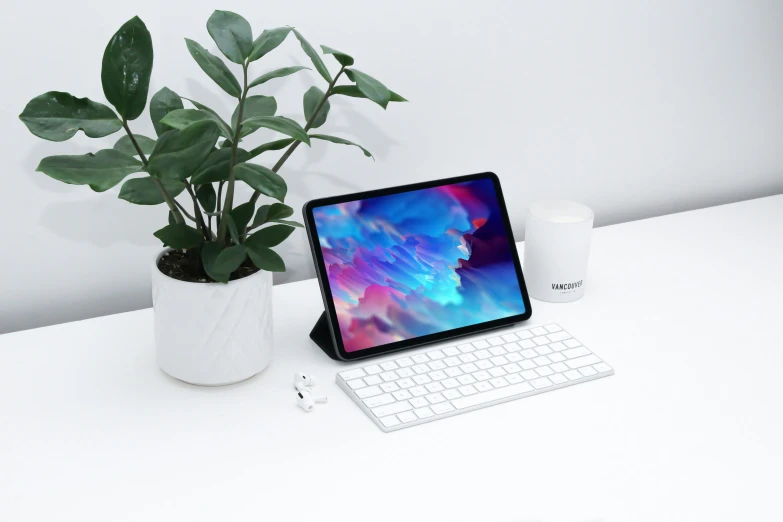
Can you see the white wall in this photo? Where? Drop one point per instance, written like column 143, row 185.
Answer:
column 636, row 109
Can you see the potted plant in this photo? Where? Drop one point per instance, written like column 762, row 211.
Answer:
column 212, row 283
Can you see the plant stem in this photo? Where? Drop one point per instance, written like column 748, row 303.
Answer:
column 185, row 212
column 163, row 192
column 228, row 205
column 197, row 211
column 294, row 145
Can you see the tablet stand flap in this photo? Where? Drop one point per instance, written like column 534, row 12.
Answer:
column 323, row 338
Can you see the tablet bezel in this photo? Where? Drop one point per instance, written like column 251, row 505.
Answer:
column 326, row 293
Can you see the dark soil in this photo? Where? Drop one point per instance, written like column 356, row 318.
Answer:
column 185, row 265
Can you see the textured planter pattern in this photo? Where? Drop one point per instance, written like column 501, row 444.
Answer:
column 212, row 334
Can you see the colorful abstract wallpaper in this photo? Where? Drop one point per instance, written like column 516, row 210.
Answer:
column 416, row 263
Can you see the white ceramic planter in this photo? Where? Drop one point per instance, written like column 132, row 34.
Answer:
column 212, row 334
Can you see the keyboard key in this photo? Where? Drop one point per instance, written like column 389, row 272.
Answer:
column 512, row 347
column 482, row 375
column 389, row 387
column 483, row 354
column 527, row 344
column 543, row 350
column 543, row 382
column 587, row 360
column 514, row 378
column 524, row 334
column 380, row 400
column 466, row 379
column 587, row 371
column 493, row 395
column 468, row 368
column 390, row 376
column 452, row 394
column 372, row 380
column 435, row 387
column 435, row 398
column 442, row 408
column 551, row 328
column 450, row 383
column 352, row 374
column 405, row 362
column 497, row 372
column 573, row 375
column 407, row 416
column 498, row 350
column 542, row 361
column 480, row 345
column 558, row 378
column 559, row 367
column 559, row 336
column 527, row 365
column 436, row 365
column 484, row 386
column 467, row 390
column 453, row 372
column 451, row 351
column 544, row 371
column 418, row 391
column 373, row 369
column 496, row 341
column 554, row 357
column 389, row 365
column 356, row 384
column 452, row 361
column 498, row 382
column 467, row 357
column 510, row 338
column 402, row 395
column 576, row 352
column 406, row 383
column 419, row 402
column 438, row 376
column 403, row 372
column 602, row 368
column 540, row 341
column 528, row 354
column 466, row 348
column 422, row 379
column 370, row 391
column 390, row 421
column 486, row 364
column 572, row 343
column 512, row 368
column 558, row 347
column 421, row 368
column 514, row 357
column 420, row 358
column 423, row 413
column 529, row 375
column 391, row 409
column 499, row 360
column 436, row 355
column 538, row 331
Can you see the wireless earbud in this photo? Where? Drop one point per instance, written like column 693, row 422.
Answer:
column 303, row 381
column 305, row 400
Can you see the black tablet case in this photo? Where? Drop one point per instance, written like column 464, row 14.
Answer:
column 321, row 336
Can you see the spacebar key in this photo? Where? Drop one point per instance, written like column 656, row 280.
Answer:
column 492, row 395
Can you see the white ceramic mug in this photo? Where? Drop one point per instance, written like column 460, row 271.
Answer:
column 557, row 247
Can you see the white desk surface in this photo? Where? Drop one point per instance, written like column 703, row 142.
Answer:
column 686, row 307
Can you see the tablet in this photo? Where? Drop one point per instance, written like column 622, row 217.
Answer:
column 415, row 264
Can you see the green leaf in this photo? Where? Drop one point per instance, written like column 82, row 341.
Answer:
column 280, row 124
column 289, row 223
column 266, row 259
column 268, row 41
column 341, row 57
column 127, row 67
column 144, row 191
column 273, row 212
column 217, row 166
column 172, row 219
column 163, row 102
column 370, row 87
column 317, row 62
column 178, row 153
column 353, row 91
column 255, row 107
column 341, row 141
column 125, row 145
column 262, row 179
column 101, row 171
column 180, row 236
column 272, row 145
column 277, row 73
column 57, row 116
column 311, row 100
column 219, row 263
column 232, row 34
column 232, row 228
column 181, row 118
column 242, row 215
column 269, row 236
column 225, row 129
column 215, row 68
column 207, row 197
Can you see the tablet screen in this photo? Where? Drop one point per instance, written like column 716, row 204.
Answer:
column 411, row 264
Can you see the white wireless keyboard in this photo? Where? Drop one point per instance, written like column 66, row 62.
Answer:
column 474, row 374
